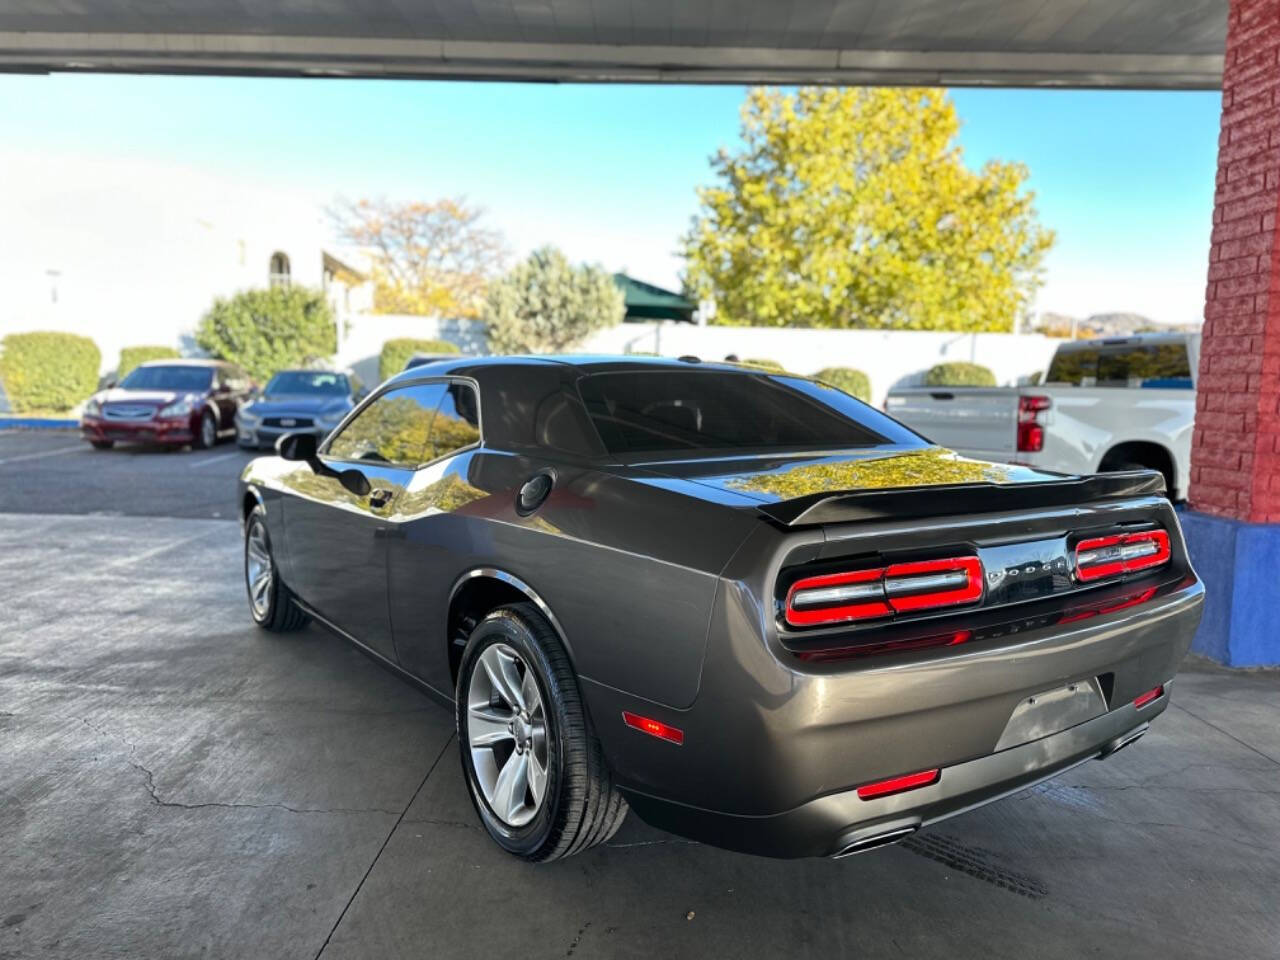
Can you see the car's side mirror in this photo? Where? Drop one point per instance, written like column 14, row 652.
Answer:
column 297, row 446
column 302, row 447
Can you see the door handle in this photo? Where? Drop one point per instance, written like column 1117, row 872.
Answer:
column 380, row 497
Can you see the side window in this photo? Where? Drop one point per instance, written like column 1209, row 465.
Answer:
column 457, row 422
column 395, row 429
column 1076, row 367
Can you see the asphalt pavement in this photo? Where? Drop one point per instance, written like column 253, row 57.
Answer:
column 176, row 783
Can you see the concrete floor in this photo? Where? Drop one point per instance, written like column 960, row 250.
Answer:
column 175, row 783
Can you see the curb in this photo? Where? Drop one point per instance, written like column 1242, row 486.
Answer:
column 37, row 423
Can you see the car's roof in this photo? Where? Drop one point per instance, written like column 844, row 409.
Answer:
column 185, row 362
column 1135, row 340
column 586, row 363
column 339, row 373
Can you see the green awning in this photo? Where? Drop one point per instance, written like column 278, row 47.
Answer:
column 647, row 302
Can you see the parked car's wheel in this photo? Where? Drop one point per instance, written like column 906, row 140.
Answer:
column 270, row 601
column 208, row 434
column 102, row 444
column 536, row 773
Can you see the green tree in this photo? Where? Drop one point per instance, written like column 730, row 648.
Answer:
column 268, row 330
column 854, row 208
column 547, row 305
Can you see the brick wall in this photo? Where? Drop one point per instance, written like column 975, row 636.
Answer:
column 1235, row 455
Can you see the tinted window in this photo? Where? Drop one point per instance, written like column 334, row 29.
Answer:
column 394, row 429
column 169, row 378
column 680, row 411
column 1123, row 365
column 457, row 422
column 307, row 382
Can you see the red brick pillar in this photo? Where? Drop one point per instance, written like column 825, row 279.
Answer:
column 1235, row 454
column 1233, row 527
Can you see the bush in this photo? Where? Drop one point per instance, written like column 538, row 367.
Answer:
column 547, row 305
column 851, row 381
column 130, row 357
column 268, row 330
column 396, row 353
column 48, row 371
column 773, row 366
column 959, row 375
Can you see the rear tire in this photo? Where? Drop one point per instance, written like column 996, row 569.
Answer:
column 580, row 807
column 271, row 603
column 208, row 434
column 102, row 444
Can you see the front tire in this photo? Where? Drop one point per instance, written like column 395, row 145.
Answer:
column 535, row 771
column 102, row 444
column 271, row 603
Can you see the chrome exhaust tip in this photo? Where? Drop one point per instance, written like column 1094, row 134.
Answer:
column 883, row 838
column 1119, row 743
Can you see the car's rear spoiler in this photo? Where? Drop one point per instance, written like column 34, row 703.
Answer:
column 950, row 499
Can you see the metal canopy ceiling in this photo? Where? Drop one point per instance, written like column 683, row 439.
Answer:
column 1077, row 43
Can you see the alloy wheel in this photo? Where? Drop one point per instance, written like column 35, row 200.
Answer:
column 257, row 570
column 208, row 431
column 507, row 734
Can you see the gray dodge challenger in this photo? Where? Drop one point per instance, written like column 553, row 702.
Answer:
column 751, row 608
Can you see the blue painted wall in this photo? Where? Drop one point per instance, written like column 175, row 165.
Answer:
column 1240, row 566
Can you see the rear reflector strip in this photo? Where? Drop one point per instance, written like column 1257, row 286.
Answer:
column 883, row 591
column 1148, row 697
column 1121, row 553
column 655, row 728
column 911, row 781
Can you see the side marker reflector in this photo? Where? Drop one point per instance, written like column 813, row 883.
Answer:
column 654, row 728
column 899, row 784
column 1142, row 700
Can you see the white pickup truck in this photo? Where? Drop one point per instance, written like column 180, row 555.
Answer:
column 1118, row 403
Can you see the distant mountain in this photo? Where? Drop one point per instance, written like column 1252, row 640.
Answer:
column 1115, row 324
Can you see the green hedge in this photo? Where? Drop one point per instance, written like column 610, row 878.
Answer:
column 396, row 353
column 268, row 330
column 130, row 357
column 851, row 381
column 959, row 375
column 773, row 366
column 48, row 372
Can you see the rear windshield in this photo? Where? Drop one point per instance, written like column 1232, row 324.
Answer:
column 168, row 378
column 1154, row 366
column 660, row 410
column 306, row 381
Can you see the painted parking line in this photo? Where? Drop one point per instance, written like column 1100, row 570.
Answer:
column 42, row 453
column 196, row 464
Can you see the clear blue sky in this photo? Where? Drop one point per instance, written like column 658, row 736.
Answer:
column 609, row 173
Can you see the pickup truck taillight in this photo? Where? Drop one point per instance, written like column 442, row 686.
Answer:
column 1030, row 429
column 1110, row 556
column 883, row 591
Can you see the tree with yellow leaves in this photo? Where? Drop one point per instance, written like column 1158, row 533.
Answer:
column 433, row 258
column 854, row 208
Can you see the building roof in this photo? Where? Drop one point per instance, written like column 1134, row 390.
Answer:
column 648, row 302
column 1082, row 43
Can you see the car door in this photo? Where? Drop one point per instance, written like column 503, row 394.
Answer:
column 434, row 527
column 337, row 526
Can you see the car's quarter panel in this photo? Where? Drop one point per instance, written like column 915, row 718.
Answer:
column 629, row 570
column 771, row 733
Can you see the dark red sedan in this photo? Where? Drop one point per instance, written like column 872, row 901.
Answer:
column 176, row 402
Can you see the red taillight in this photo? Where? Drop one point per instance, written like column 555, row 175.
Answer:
column 655, row 728
column 911, row 781
column 1030, row 429
column 882, row 591
column 1148, row 697
column 1119, row 553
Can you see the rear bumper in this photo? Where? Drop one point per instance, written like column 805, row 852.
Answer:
column 177, row 432
column 842, row 823
column 774, row 750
